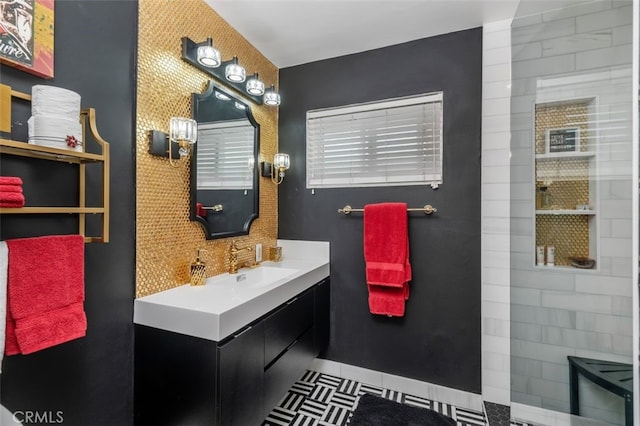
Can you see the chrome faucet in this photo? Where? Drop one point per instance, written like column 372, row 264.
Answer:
column 233, row 256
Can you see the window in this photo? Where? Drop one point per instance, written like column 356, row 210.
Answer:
column 225, row 155
column 393, row 142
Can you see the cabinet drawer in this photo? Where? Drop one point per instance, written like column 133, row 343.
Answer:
column 287, row 369
column 286, row 324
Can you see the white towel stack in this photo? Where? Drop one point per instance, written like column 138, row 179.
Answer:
column 55, row 115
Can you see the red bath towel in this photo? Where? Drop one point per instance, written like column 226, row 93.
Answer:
column 10, row 180
column 386, row 252
column 45, row 293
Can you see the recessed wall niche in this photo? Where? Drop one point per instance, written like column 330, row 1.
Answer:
column 565, row 186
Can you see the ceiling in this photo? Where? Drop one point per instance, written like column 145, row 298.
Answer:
column 293, row 32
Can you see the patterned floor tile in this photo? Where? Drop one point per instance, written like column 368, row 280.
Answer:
column 321, row 393
column 313, row 408
column 302, row 420
column 369, row 389
column 324, row 400
column 344, row 400
column 292, row 401
column 469, row 417
column 304, row 388
column 336, row 415
column 330, row 381
column 280, row 417
column 350, row 387
column 417, row 401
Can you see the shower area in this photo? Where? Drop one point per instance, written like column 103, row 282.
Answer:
column 572, row 223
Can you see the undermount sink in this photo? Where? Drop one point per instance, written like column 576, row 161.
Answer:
column 261, row 276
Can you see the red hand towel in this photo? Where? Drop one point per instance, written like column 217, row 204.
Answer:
column 10, row 188
column 386, row 250
column 201, row 211
column 10, row 180
column 45, row 293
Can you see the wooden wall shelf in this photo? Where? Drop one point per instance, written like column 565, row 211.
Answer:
column 24, row 149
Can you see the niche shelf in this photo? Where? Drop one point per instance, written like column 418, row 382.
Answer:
column 82, row 159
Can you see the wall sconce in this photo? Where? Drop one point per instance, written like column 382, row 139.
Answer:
column 275, row 171
column 207, row 59
column 182, row 131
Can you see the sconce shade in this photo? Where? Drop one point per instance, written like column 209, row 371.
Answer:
column 271, row 97
column 255, row 86
column 281, row 161
column 235, row 72
column 183, row 131
column 209, row 56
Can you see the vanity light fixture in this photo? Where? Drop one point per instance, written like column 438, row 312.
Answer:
column 182, row 131
column 207, row 59
column 234, row 71
column 275, row 171
column 255, row 86
column 208, row 55
column 271, row 97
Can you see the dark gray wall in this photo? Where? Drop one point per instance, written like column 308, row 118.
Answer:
column 438, row 339
column 91, row 379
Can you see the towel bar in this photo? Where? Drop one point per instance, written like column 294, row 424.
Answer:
column 216, row 208
column 428, row 209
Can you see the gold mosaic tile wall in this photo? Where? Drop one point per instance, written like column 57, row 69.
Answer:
column 554, row 116
column 166, row 240
column 567, row 181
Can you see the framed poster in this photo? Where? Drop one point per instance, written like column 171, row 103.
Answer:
column 560, row 140
column 26, row 35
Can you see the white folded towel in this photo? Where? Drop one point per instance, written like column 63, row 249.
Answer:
column 4, row 265
column 52, row 131
column 51, row 100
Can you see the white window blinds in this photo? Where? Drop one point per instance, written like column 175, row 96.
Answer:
column 393, row 142
column 225, row 155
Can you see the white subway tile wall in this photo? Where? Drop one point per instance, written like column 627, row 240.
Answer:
column 495, row 206
column 578, row 52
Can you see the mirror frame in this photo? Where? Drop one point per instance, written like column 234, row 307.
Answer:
column 210, row 234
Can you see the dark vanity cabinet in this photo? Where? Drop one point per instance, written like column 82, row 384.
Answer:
column 187, row 380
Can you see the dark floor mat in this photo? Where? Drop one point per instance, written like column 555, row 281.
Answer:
column 373, row 410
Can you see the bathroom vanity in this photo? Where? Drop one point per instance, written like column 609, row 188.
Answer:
column 226, row 352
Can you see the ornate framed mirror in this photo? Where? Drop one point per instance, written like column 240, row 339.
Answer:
column 224, row 165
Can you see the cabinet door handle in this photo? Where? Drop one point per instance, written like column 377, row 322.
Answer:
column 292, row 300
column 242, row 332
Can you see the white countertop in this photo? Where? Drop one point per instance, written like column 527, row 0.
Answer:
column 228, row 302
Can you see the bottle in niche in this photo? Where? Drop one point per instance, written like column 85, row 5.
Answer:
column 198, row 270
column 543, row 199
column 551, row 256
column 540, row 255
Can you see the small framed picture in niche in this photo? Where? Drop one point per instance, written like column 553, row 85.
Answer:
column 565, row 139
